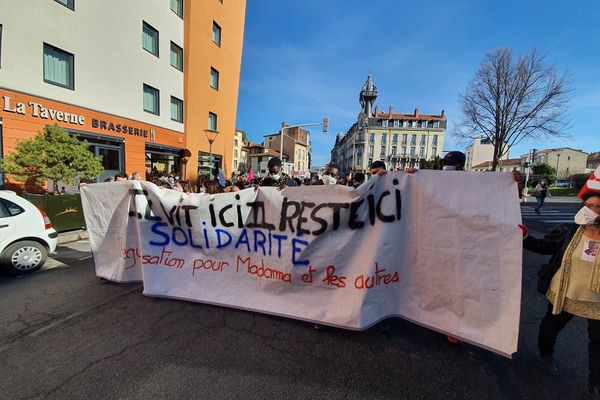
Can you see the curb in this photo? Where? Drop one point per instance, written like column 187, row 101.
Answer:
column 72, row 236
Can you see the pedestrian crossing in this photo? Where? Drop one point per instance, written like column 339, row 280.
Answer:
column 547, row 215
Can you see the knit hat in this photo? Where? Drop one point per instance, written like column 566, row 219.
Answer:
column 378, row 164
column 454, row 158
column 592, row 184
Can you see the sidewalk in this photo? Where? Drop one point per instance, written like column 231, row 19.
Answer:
column 72, row 236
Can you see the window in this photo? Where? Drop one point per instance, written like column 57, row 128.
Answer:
column 216, row 34
column 412, row 152
column 413, row 124
column 405, row 124
column 151, row 100
column 212, row 121
column 434, row 151
column 67, row 3
column 235, row 142
column 422, row 152
column 58, row 67
column 235, row 164
column 384, row 123
column 149, row 39
column 371, row 151
column 393, row 150
column 436, row 124
column 384, row 138
column 9, row 209
column 382, row 151
column 423, row 124
column 395, row 138
column 370, row 162
column 434, row 140
column 423, row 138
column 413, row 140
column 176, row 109
column 403, row 151
column 396, row 123
column 372, row 138
column 214, row 78
column 404, row 138
column 176, row 56
column 235, row 153
column 177, row 7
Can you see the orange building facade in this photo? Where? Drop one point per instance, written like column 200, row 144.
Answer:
column 104, row 96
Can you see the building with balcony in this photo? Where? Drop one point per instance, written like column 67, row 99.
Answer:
column 399, row 139
column 143, row 81
column 238, row 159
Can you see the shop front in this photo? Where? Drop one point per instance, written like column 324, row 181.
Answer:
column 162, row 161
column 124, row 145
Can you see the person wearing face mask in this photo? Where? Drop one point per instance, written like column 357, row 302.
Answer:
column 571, row 280
column 275, row 177
column 541, row 192
column 331, row 174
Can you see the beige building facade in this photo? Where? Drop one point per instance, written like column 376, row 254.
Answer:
column 399, row 139
column 479, row 152
column 565, row 160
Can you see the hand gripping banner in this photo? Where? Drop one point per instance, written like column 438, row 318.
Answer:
column 439, row 248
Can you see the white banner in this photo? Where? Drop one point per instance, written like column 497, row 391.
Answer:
column 441, row 249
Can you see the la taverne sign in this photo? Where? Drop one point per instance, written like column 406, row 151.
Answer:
column 39, row 111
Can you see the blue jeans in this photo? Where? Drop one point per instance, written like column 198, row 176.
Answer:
column 540, row 203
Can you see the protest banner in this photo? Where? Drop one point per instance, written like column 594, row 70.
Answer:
column 441, row 249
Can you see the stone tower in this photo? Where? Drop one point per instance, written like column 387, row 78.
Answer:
column 367, row 97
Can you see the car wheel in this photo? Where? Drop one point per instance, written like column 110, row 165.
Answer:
column 23, row 257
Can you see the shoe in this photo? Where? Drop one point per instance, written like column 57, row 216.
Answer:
column 594, row 391
column 548, row 366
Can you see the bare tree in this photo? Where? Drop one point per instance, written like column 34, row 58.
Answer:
column 509, row 101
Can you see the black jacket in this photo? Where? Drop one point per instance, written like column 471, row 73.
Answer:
column 554, row 243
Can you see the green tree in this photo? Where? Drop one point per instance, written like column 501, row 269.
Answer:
column 543, row 169
column 436, row 163
column 52, row 154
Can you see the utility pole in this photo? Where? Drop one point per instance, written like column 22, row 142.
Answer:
column 529, row 163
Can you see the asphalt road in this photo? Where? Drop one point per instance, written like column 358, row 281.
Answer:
column 64, row 334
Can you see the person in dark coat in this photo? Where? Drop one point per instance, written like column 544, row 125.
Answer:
column 277, row 178
column 571, row 282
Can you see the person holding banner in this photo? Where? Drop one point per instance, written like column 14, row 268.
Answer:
column 571, row 281
column 277, row 178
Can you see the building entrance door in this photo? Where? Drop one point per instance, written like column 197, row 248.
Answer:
column 111, row 158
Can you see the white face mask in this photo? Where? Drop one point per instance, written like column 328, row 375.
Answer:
column 275, row 176
column 329, row 180
column 586, row 216
column 449, row 168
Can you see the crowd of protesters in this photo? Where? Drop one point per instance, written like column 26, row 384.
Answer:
column 570, row 281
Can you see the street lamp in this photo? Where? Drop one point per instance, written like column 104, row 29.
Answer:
column 557, row 160
column 211, row 135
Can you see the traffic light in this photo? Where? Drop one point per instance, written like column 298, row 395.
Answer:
column 325, row 124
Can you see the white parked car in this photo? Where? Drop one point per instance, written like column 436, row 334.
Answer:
column 26, row 235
